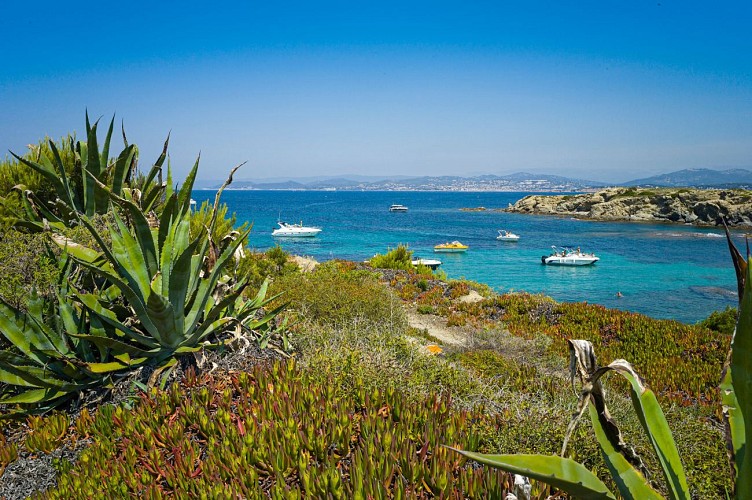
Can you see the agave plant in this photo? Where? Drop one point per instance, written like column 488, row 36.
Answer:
column 92, row 170
column 624, row 465
column 164, row 296
column 45, row 363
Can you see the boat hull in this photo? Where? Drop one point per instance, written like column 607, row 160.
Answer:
column 295, row 234
column 569, row 261
column 512, row 239
column 450, row 250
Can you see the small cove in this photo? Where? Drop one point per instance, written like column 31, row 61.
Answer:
column 665, row 271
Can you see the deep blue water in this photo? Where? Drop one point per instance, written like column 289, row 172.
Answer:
column 664, row 271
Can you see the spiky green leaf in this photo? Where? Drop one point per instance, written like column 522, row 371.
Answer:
column 562, row 473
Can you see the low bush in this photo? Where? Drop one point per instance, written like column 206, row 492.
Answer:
column 337, row 294
column 721, row 321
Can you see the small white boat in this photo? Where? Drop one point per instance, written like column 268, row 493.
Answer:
column 505, row 235
column 569, row 257
column 295, row 230
column 431, row 263
column 398, row 208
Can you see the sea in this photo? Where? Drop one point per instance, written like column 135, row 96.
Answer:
column 666, row 271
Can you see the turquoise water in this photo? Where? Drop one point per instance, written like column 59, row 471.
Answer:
column 665, row 271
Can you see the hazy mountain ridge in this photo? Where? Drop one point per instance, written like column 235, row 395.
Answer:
column 698, row 177
column 520, row 181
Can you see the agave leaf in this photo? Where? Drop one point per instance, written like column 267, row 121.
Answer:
column 92, row 166
column 152, row 175
column 740, row 264
column 122, row 167
column 207, row 329
column 38, row 396
column 162, row 314
column 68, row 195
column 135, row 300
column 562, row 473
column 105, row 157
column 79, row 252
column 654, row 423
column 91, row 302
column 24, row 334
column 31, row 376
column 131, row 262
column 49, row 175
column 114, row 366
column 143, row 233
column 117, row 347
column 184, row 196
column 741, row 375
column 267, row 317
column 631, row 483
column 179, row 282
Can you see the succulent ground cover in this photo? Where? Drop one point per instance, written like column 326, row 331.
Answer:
column 695, row 353
column 353, row 343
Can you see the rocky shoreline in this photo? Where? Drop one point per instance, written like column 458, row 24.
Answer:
column 702, row 207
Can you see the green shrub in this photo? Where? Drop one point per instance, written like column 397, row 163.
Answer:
column 256, row 266
column 333, row 294
column 398, row 258
column 425, row 309
column 721, row 321
column 26, row 264
column 223, row 226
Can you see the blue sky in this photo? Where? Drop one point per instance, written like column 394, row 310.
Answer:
column 600, row 90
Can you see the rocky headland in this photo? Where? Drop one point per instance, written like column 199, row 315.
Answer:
column 702, row 207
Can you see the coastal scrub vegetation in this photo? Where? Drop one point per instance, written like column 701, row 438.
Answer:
column 625, row 466
column 364, row 408
column 399, row 258
column 136, row 291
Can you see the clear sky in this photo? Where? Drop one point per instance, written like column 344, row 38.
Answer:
column 600, row 90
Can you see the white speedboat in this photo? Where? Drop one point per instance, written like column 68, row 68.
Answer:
column 398, row 208
column 505, row 235
column 431, row 263
column 569, row 257
column 295, row 230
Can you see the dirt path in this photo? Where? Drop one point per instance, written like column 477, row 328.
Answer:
column 436, row 327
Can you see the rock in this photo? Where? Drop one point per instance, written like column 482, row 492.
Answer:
column 704, row 207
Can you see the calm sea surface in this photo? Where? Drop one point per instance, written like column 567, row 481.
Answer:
column 665, row 271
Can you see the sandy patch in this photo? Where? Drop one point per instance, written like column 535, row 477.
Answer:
column 306, row 264
column 471, row 297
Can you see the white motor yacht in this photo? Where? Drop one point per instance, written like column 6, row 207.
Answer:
column 398, row 208
column 505, row 235
column 295, row 230
column 569, row 257
column 430, row 263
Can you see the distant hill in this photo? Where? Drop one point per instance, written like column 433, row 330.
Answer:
column 698, row 177
column 522, row 181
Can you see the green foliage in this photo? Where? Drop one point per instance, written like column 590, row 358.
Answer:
column 223, row 227
column 26, row 265
column 721, row 321
column 281, row 433
column 46, row 434
column 85, row 190
column 398, row 258
column 624, row 464
column 333, row 294
column 256, row 267
column 162, row 275
column 694, row 353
